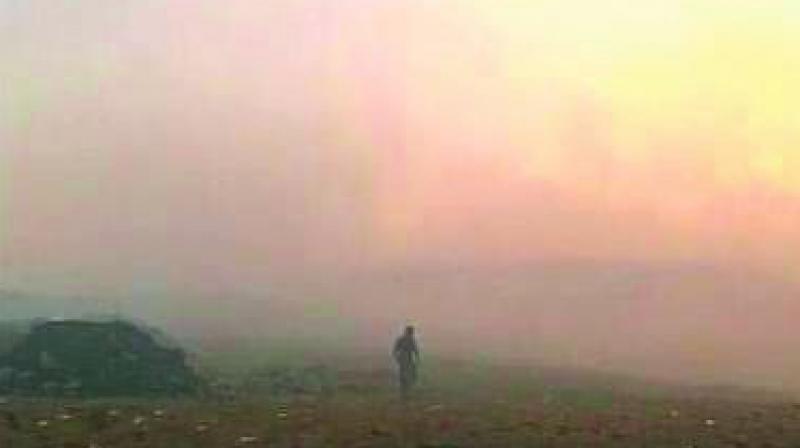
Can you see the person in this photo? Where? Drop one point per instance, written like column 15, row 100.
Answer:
column 406, row 354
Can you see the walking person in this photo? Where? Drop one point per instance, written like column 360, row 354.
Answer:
column 406, row 354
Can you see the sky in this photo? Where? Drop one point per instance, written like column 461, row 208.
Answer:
column 233, row 153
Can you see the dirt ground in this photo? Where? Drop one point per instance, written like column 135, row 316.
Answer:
column 495, row 416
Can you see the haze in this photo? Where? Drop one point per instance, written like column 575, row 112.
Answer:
column 603, row 183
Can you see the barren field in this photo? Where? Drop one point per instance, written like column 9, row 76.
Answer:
column 454, row 407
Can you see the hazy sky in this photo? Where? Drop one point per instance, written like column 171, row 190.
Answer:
column 190, row 147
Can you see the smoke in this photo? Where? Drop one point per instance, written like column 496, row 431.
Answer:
column 337, row 170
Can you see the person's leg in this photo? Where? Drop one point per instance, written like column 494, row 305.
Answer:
column 405, row 379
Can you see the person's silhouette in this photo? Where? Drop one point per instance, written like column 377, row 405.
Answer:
column 406, row 354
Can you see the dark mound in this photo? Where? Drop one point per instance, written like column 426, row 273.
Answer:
column 92, row 359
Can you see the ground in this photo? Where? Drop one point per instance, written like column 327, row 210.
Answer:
column 451, row 409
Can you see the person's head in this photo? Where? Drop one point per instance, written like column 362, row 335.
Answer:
column 409, row 330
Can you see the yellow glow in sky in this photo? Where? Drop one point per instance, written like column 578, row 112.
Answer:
column 672, row 108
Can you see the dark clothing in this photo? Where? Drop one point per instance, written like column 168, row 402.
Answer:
column 405, row 349
column 406, row 354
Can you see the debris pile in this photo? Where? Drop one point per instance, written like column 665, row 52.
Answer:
column 90, row 359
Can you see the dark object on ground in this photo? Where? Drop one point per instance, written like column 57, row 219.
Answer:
column 93, row 359
column 11, row 420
